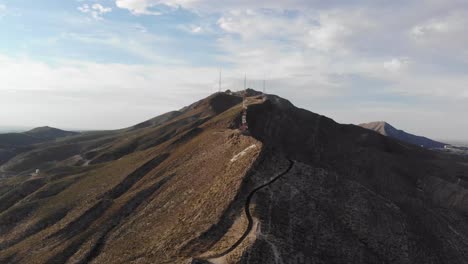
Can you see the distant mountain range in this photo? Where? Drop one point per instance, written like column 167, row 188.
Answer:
column 12, row 144
column 33, row 136
column 386, row 129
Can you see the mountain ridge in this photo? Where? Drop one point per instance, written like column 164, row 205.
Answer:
column 12, row 144
column 177, row 191
column 33, row 136
column 49, row 133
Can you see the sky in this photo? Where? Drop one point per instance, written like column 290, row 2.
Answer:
column 105, row 64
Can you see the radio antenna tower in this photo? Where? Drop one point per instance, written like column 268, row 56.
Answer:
column 264, row 87
column 245, row 81
column 244, row 128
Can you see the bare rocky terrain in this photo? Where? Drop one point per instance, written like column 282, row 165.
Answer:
column 189, row 187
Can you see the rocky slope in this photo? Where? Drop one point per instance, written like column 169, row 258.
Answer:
column 387, row 130
column 188, row 187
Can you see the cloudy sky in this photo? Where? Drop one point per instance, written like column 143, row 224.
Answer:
column 101, row 64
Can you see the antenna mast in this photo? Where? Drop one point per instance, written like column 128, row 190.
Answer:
column 245, row 81
column 244, row 128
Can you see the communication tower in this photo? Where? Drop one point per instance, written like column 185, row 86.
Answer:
column 244, row 126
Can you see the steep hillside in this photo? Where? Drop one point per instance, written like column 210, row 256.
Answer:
column 17, row 140
column 388, row 130
column 189, row 187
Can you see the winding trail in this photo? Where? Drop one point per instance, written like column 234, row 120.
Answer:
column 249, row 218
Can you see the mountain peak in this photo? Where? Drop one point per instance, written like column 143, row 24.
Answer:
column 386, row 129
column 190, row 187
column 47, row 132
column 42, row 128
column 380, row 126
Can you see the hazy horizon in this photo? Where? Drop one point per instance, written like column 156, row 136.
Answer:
column 108, row 64
column 19, row 129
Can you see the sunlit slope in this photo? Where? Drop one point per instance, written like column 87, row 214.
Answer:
column 150, row 191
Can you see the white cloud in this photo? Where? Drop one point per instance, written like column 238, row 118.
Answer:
column 141, row 28
column 447, row 32
column 139, row 7
column 311, row 51
column 100, row 9
column 326, row 36
column 432, row 27
column 195, row 29
column 80, row 94
column 95, row 10
column 396, row 64
column 465, row 94
column 146, row 7
column 210, row 6
column 252, row 24
column 3, row 10
column 455, row 22
column 86, row 76
column 304, row 51
column 140, row 45
column 324, row 31
column 307, row 44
